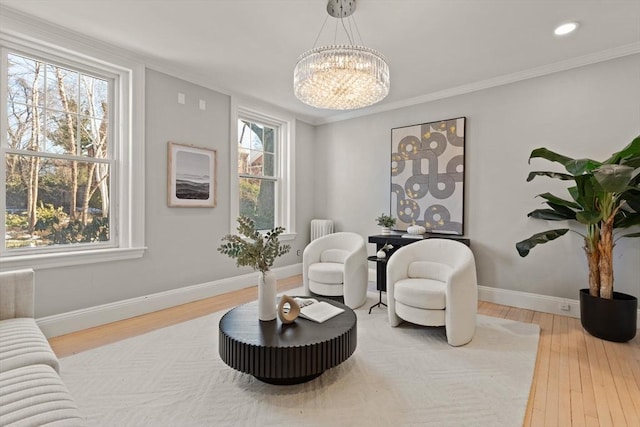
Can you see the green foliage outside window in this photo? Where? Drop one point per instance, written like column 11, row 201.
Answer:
column 57, row 185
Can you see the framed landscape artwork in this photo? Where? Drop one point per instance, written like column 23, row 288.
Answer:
column 427, row 176
column 191, row 176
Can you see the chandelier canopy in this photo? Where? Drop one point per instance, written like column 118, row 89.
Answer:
column 341, row 77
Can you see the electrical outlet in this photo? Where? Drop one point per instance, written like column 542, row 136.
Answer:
column 298, row 252
column 564, row 306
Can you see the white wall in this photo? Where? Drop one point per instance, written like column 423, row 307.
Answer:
column 181, row 242
column 342, row 172
column 590, row 111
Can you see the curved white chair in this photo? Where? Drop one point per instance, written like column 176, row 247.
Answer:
column 336, row 265
column 433, row 283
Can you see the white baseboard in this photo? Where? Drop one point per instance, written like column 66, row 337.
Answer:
column 542, row 303
column 60, row 324
column 78, row 320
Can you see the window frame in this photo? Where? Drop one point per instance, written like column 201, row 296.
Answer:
column 126, row 122
column 284, row 125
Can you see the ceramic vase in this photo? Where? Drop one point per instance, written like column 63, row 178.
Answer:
column 416, row 229
column 267, row 306
column 385, row 230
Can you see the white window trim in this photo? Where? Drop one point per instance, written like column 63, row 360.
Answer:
column 285, row 204
column 24, row 35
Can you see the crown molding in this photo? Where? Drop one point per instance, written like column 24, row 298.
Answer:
column 581, row 61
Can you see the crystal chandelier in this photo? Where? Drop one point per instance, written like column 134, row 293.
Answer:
column 341, row 77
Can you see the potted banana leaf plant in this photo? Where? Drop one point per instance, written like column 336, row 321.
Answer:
column 605, row 198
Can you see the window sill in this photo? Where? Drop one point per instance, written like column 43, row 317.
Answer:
column 65, row 259
column 288, row 236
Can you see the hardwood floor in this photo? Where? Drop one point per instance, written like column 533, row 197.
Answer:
column 579, row 380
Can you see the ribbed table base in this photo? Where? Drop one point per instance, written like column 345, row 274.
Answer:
column 283, row 354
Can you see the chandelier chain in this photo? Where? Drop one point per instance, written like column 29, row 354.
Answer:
column 320, row 32
column 346, row 32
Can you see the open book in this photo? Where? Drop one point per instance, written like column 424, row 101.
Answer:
column 315, row 310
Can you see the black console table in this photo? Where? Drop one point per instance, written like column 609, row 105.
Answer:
column 397, row 241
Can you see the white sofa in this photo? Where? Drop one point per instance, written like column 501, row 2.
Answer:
column 31, row 390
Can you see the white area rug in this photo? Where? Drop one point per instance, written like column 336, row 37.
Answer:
column 405, row 376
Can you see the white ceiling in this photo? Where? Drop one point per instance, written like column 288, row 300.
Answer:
column 434, row 47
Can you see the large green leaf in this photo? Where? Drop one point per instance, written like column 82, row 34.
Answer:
column 562, row 209
column 547, row 154
column 633, row 162
column 559, row 201
column 631, row 235
column 581, row 166
column 526, row 245
column 626, row 218
column 632, row 197
column 551, row 215
column 588, row 217
column 561, row 176
column 613, row 178
column 629, row 154
column 586, row 193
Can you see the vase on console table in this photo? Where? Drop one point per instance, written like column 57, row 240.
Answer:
column 267, row 304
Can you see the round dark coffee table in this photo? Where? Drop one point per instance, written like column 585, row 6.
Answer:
column 278, row 353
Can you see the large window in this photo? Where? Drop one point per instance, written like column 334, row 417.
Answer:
column 263, row 183
column 58, row 155
column 72, row 153
column 257, row 177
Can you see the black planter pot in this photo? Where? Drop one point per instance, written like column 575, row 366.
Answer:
column 610, row 319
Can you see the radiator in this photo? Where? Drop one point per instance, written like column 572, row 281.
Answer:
column 321, row 227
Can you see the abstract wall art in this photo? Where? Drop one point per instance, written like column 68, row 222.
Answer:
column 427, row 176
column 191, row 174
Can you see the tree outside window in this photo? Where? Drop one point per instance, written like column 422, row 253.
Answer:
column 257, row 173
column 57, row 155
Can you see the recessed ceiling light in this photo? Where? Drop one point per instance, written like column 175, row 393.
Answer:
column 564, row 29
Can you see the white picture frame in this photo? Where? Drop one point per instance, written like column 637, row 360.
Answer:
column 191, row 176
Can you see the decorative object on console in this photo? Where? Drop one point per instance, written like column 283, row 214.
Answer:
column 416, row 229
column 258, row 251
column 341, row 77
column 288, row 309
column 427, row 175
column 382, row 253
column 387, row 222
column 191, row 176
column 604, row 196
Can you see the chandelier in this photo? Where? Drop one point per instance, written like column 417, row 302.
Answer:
column 341, row 77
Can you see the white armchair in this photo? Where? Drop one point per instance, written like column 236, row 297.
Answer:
column 336, row 265
column 433, row 283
